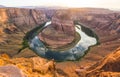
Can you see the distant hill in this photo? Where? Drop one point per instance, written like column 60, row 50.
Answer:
column 43, row 7
column 117, row 9
column 1, row 6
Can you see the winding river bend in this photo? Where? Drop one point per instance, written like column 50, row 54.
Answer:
column 74, row 53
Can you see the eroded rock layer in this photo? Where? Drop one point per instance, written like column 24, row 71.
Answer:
column 26, row 67
column 14, row 24
column 108, row 67
column 60, row 32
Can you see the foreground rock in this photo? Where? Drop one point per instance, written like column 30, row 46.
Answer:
column 26, row 67
column 11, row 71
column 60, row 32
column 108, row 67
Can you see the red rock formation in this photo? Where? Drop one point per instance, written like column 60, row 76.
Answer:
column 11, row 71
column 19, row 21
column 14, row 23
column 60, row 32
column 25, row 19
column 109, row 41
column 109, row 22
column 108, row 67
column 104, row 22
column 26, row 67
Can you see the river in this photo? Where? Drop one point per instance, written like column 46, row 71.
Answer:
column 73, row 53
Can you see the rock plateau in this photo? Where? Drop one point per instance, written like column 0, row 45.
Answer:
column 60, row 32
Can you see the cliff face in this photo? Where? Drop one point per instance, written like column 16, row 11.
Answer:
column 14, row 23
column 109, row 22
column 25, row 19
column 60, row 32
column 108, row 67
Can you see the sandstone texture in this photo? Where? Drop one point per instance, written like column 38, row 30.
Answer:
column 26, row 67
column 60, row 32
column 107, row 67
column 11, row 71
column 14, row 24
column 109, row 38
column 105, row 23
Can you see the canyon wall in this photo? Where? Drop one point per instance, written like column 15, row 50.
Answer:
column 14, row 24
column 107, row 67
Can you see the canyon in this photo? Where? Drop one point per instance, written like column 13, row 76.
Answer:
column 16, row 22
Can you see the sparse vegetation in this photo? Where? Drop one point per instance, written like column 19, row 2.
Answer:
column 88, row 31
column 30, row 35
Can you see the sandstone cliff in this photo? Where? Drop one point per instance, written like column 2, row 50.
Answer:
column 107, row 67
column 60, row 32
column 14, row 23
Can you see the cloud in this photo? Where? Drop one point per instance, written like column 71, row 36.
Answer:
column 69, row 3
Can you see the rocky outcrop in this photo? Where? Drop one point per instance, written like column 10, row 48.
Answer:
column 60, row 32
column 108, row 67
column 26, row 67
column 14, row 24
column 39, row 64
column 108, row 22
column 11, row 71
column 25, row 19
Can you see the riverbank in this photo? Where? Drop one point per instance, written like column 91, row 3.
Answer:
column 30, row 35
column 71, row 52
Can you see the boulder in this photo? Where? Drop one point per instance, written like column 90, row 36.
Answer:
column 11, row 71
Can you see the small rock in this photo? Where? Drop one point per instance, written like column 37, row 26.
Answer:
column 42, row 65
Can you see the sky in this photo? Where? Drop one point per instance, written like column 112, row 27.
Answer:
column 63, row 3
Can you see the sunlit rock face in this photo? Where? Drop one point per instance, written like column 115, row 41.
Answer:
column 60, row 32
column 3, row 15
column 26, row 67
column 107, row 67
